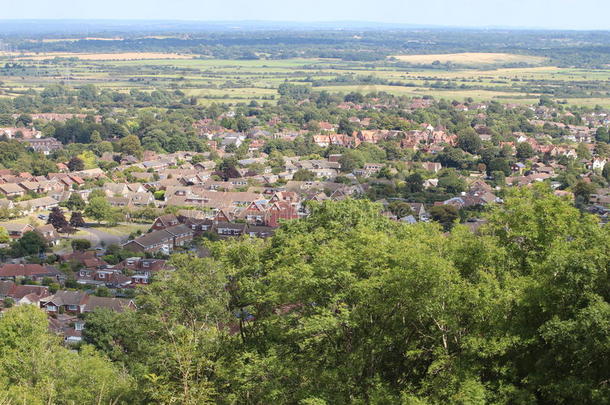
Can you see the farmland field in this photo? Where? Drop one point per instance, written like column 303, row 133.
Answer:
column 471, row 58
column 233, row 81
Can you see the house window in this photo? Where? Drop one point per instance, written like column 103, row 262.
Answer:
column 51, row 307
column 72, row 307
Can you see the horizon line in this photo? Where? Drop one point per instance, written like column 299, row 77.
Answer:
column 311, row 24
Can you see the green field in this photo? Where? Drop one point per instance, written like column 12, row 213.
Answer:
column 233, row 81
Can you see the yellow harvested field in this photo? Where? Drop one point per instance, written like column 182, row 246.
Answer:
column 471, row 58
column 101, row 56
column 53, row 40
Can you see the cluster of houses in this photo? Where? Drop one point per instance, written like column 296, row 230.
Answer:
column 30, row 284
column 252, row 202
column 63, row 307
column 54, row 188
column 246, row 203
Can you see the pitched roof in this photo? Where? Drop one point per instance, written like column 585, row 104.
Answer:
column 153, row 238
column 66, row 298
column 26, row 270
column 16, row 227
column 113, row 304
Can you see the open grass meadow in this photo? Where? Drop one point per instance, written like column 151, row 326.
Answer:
column 470, row 75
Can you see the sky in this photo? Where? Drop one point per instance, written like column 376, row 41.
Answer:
column 563, row 14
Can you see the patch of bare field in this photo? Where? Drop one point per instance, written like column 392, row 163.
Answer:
column 469, row 58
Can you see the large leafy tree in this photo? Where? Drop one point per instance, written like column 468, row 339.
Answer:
column 76, row 220
column 100, row 209
column 469, row 141
column 183, row 320
column 36, row 369
column 31, row 243
column 346, row 307
column 57, row 219
column 75, row 202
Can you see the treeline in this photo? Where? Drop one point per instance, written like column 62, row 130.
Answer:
column 59, row 98
column 574, row 48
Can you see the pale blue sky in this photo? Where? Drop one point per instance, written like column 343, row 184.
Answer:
column 569, row 14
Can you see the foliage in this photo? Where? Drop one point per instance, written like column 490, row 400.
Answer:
column 36, row 369
column 303, row 175
column 524, row 151
column 4, row 236
column 80, row 245
column 76, row 164
column 57, row 219
column 76, row 219
column 100, row 209
column 75, row 202
column 31, row 243
column 445, row 215
column 346, row 306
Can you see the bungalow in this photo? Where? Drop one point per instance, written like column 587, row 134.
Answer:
column 23, row 294
column 49, row 233
column 34, row 272
column 165, row 240
column 113, row 304
column 11, row 190
column 230, row 229
column 65, row 301
column 153, row 242
column 260, row 231
column 37, row 204
column 16, row 230
column 78, row 302
column 181, row 234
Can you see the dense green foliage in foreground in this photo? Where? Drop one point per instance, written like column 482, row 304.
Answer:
column 349, row 307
